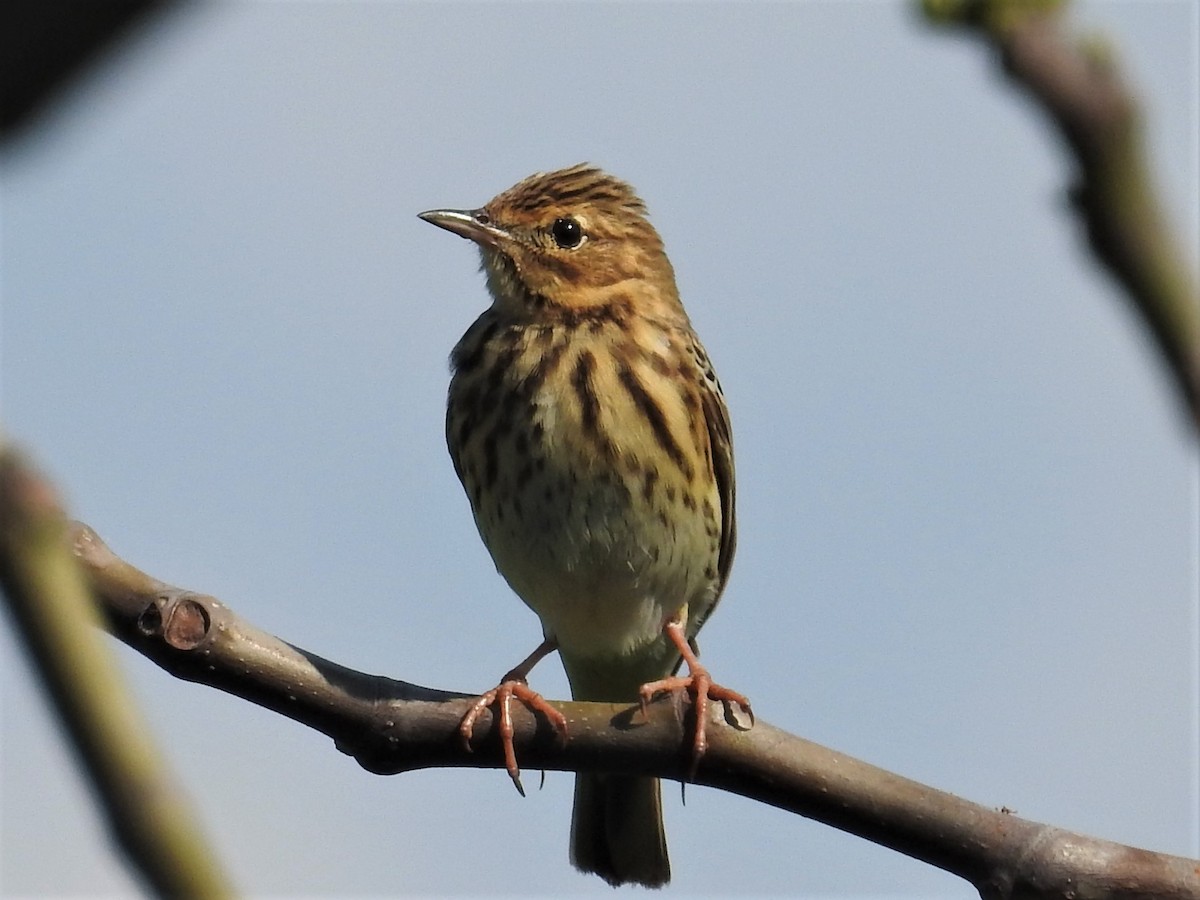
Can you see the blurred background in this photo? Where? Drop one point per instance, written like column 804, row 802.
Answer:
column 967, row 497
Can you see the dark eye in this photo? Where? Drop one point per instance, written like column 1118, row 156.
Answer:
column 567, row 233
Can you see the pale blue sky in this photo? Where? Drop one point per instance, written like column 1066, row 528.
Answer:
column 967, row 501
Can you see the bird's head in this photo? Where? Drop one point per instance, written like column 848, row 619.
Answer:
column 569, row 243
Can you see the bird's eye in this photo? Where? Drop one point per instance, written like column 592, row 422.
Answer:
column 567, row 233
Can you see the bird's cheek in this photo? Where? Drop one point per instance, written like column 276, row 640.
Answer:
column 526, row 269
column 539, row 280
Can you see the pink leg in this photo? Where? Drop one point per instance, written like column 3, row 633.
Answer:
column 699, row 684
column 514, row 684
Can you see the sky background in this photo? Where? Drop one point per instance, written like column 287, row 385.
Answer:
column 967, row 497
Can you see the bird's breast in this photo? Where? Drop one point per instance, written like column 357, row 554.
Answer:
column 587, row 478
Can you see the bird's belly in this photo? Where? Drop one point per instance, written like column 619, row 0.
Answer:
column 601, row 565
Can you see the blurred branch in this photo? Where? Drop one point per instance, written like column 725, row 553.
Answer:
column 392, row 726
column 56, row 615
column 1079, row 86
column 46, row 44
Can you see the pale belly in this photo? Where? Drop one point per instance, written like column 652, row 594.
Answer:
column 596, row 561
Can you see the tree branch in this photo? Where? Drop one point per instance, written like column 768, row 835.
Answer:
column 54, row 614
column 1080, row 88
column 392, row 726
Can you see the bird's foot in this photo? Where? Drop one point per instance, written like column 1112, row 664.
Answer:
column 702, row 688
column 511, row 685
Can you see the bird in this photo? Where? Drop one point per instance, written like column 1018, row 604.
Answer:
column 592, row 438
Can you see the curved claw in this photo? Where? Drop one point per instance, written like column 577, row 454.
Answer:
column 501, row 696
column 700, row 685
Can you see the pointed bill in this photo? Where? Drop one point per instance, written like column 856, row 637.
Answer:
column 473, row 224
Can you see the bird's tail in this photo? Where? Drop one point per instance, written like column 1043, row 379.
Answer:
column 617, row 829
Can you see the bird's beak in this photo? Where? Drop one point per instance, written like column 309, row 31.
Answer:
column 474, row 224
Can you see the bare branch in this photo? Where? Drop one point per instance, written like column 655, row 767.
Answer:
column 392, row 726
column 55, row 615
column 1080, row 88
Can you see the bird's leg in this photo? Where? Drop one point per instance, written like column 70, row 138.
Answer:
column 699, row 684
column 514, row 684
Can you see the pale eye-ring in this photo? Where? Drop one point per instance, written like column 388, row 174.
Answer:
column 567, row 233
